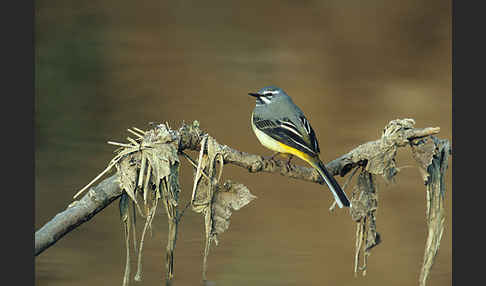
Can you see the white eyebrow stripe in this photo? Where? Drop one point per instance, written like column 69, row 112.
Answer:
column 270, row 92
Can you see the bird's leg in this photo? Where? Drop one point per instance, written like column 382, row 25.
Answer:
column 290, row 156
column 274, row 155
column 272, row 158
column 284, row 155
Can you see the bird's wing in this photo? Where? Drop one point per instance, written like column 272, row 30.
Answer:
column 297, row 133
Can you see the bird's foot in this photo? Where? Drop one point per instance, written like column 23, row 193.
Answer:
column 287, row 164
column 271, row 158
column 274, row 159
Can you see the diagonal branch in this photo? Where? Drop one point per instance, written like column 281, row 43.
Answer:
column 77, row 213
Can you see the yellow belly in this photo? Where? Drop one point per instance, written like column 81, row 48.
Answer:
column 295, row 152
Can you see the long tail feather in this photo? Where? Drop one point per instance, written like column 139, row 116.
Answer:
column 339, row 195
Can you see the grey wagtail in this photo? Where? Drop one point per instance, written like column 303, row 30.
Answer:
column 281, row 126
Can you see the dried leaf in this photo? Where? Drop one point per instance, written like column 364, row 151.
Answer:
column 148, row 223
column 384, row 163
column 212, row 147
column 365, row 199
column 432, row 155
column 152, row 162
column 364, row 205
column 142, row 172
column 205, row 188
column 124, row 205
column 423, row 151
column 199, row 170
column 202, row 192
column 127, row 170
column 232, row 197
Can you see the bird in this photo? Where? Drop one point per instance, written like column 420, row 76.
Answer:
column 281, row 126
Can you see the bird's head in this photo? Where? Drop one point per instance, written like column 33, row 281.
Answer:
column 268, row 95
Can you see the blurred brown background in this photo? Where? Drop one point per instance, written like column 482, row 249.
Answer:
column 352, row 66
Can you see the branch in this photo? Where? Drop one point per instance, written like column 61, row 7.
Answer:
column 397, row 134
column 361, row 155
column 77, row 213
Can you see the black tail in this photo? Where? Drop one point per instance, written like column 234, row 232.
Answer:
column 339, row 195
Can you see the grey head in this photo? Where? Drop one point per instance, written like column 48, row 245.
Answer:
column 269, row 94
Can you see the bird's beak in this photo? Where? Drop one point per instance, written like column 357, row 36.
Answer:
column 255, row 94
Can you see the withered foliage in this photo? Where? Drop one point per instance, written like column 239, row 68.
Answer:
column 148, row 169
column 148, row 172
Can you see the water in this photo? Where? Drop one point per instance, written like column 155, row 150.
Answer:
column 105, row 66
